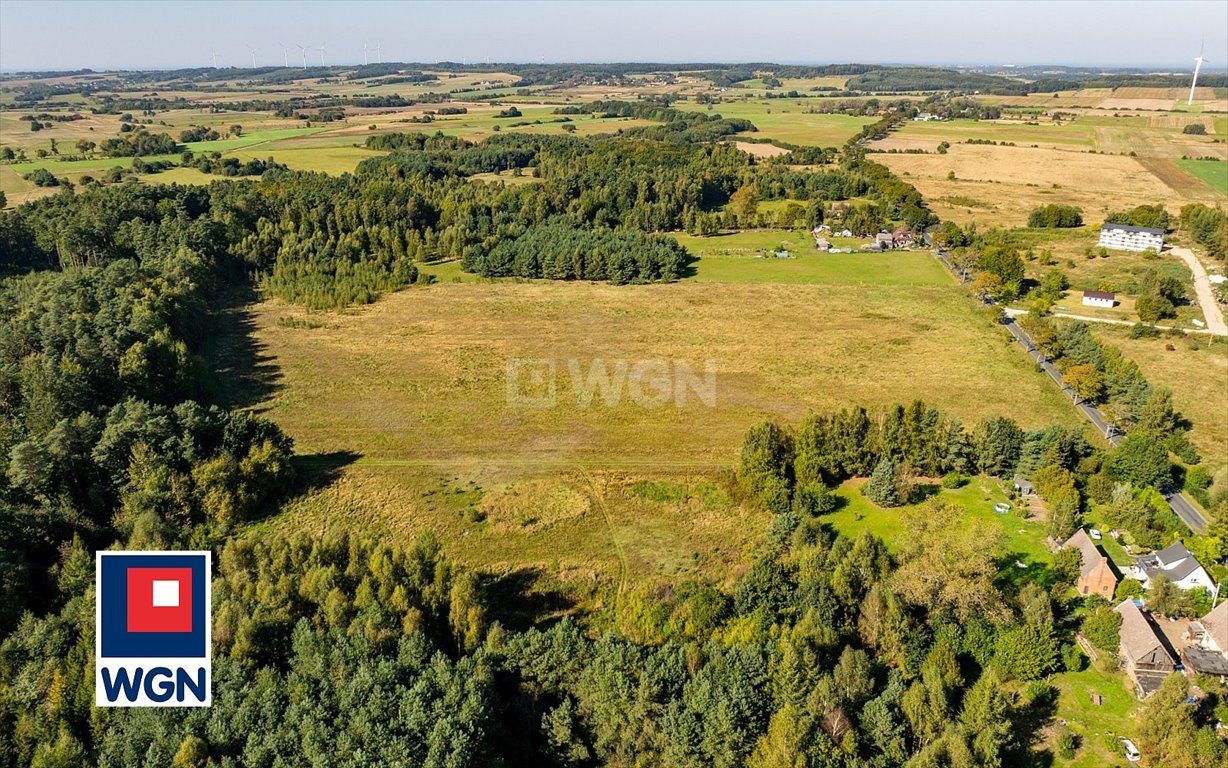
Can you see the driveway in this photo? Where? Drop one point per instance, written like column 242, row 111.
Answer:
column 1202, row 287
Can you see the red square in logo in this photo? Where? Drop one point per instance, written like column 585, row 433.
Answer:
column 159, row 599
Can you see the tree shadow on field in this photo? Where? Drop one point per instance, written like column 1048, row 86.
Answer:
column 1029, row 720
column 241, row 372
column 314, row 471
column 523, row 598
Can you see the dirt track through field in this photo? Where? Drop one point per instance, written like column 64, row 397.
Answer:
column 1202, row 287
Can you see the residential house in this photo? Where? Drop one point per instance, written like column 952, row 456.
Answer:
column 1096, row 576
column 901, row 237
column 1208, row 654
column 1177, row 563
column 1126, row 237
column 1143, row 652
column 1099, row 299
column 883, row 241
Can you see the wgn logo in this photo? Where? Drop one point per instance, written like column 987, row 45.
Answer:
column 153, row 635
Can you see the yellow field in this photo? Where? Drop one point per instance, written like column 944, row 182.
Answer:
column 412, row 391
column 1199, row 380
column 1011, row 181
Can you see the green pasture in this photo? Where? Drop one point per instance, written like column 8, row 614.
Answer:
column 748, row 257
column 1213, row 173
column 1023, row 539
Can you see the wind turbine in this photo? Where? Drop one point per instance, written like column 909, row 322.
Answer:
column 379, row 57
column 214, row 54
column 1198, row 62
column 303, row 50
column 252, row 51
column 321, row 54
column 364, row 53
column 285, row 53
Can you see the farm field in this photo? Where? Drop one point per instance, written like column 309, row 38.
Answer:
column 432, row 403
column 787, row 120
column 1213, row 174
column 1006, row 183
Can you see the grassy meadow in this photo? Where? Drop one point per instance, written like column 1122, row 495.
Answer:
column 406, row 401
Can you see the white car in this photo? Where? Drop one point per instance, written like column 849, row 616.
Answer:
column 1132, row 753
column 1095, row 534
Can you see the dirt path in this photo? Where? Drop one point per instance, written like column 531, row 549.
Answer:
column 1202, row 287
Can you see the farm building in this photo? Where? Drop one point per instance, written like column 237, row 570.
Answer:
column 821, row 243
column 1096, row 576
column 1144, row 654
column 1177, row 563
column 926, row 117
column 1208, row 655
column 1126, row 237
column 883, row 240
column 1099, row 299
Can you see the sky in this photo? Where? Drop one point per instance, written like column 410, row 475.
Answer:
column 100, row 35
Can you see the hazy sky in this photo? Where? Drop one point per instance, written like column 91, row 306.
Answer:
column 132, row 35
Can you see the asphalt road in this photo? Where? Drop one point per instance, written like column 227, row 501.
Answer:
column 1188, row 513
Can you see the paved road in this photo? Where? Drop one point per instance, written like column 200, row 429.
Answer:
column 1202, row 287
column 1188, row 513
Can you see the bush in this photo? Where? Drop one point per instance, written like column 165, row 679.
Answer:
column 1195, row 129
column 954, row 480
column 1054, row 216
column 41, row 177
column 1067, row 743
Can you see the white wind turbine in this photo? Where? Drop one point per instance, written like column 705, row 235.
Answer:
column 379, row 56
column 213, row 53
column 252, row 51
column 285, row 54
column 321, row 54
column 1198, row 62
column 364, row 53
column 303, row 50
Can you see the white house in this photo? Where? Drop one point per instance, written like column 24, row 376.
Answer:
column 1126, row 237
column 1099, row 299
column 1175, row 562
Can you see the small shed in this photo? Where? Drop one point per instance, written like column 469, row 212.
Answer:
column 1099, row 299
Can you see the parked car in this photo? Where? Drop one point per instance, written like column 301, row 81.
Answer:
column 1132, row 753
column 1095, row 534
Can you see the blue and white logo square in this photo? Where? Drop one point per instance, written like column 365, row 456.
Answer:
column 153, row 638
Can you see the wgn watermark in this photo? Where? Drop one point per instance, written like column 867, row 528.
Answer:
column 649, row 383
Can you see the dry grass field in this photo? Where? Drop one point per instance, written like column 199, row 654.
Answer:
column 1197, row 372
column 410, row 396
column 1008, row 182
